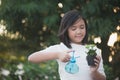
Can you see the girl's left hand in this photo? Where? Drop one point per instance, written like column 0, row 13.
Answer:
column 97, row 63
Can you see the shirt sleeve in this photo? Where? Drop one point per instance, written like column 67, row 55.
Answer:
column 53, row 48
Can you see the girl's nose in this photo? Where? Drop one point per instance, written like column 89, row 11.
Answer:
column 78, row 31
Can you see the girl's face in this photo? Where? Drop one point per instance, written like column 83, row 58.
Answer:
column 77, row 31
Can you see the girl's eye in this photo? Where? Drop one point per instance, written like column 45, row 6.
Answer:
column 82, row 26
column 73, row 28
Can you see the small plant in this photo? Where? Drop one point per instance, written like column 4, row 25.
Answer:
column 91, row 54
column 91, row 49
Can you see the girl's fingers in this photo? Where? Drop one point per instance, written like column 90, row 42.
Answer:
column 66, row 56
column 98, row 57
column 97, row 60
column 66, row 59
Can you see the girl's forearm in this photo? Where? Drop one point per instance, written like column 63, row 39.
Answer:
column 38, row 57
column 97, row 76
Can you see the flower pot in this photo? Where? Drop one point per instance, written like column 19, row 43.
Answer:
column 90, row 59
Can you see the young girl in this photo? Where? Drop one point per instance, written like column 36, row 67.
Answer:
column 73, row 36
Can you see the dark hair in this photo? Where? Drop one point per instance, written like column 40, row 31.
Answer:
column 68, row 20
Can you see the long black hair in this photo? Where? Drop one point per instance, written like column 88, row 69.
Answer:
column 68, row 20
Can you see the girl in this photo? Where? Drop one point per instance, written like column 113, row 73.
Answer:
column 73, row 36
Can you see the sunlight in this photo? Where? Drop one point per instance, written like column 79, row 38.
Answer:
column 116, row 9
column 62, row 14
column 14, row 35
column 0, row 2
column 5, row 72
column 60, row 5
column 112, row 52
column 118, row 28
column 97, row 40
column 2, row 30
column 110, row 58
column 112, row 39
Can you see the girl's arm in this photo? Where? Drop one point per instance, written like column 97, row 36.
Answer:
column 38, row 57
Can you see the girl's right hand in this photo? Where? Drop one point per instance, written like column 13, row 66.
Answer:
column 64, row 56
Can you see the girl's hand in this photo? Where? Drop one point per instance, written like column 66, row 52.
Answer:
column 95, row 74
column 64, row 56
column 97, row 63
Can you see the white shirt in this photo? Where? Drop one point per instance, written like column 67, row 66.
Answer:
column 84, row 70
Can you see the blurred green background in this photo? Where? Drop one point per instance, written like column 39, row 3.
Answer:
column 27, row 26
